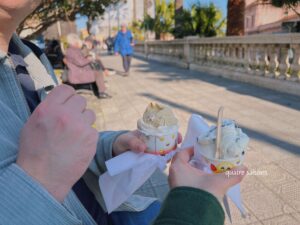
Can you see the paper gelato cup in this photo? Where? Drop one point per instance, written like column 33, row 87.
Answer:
column 159, row 129
column 161, row 140
column 218, row 165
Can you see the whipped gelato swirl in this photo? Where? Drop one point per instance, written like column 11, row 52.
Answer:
column 158, row 119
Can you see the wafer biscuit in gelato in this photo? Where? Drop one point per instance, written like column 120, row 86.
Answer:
column 159, row 127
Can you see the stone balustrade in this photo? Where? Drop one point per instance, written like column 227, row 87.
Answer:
column 275, row 56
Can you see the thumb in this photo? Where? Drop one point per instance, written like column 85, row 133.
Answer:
column 232, row 177
column 135, row 142
column 137, row 145
column 184, row 155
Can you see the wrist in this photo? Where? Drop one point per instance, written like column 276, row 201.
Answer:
column 117, row 147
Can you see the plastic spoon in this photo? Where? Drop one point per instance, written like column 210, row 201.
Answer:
column 219, row 153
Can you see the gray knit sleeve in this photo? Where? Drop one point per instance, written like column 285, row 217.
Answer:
column 24, row 201
column 104, row 150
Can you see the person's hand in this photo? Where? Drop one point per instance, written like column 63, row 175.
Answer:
column 132, row 140
column 116, row 53
column 132, row 44
column 183, row 174
column 58, row 143
column 106, row 72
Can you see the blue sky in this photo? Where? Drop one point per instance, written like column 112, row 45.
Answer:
column 221, row 4
column 81, row 22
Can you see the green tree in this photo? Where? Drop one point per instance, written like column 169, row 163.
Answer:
column 135, row 29
column 289, row 4
column 164, row 18
column 51, row 11
column 205, row 21
column 178, row 15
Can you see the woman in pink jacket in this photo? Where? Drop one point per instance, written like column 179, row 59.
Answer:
column 80, row 70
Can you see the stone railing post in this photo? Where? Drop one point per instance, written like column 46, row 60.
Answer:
column 295, row 66
column 235, row 61
column 259, row 61
column 226, row 59
column 284, row 63
column 250, row 59
column 192, row 53
column 245, row 59
column 218, row 53
column 240, row 58
column 186, row 52
column 273, row 64
column 146, row 48
column 222, row 54
column 266, row 60
column 201, row 55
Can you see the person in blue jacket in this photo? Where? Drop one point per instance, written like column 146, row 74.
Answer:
column 124, row 46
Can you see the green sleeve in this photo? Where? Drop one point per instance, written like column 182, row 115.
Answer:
column 190, row 206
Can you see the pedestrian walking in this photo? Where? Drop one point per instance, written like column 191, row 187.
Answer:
column 124, row 46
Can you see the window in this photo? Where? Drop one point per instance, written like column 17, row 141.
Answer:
column 252, row 20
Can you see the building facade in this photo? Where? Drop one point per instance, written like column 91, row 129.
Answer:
column 124, row 12
column 265, row 18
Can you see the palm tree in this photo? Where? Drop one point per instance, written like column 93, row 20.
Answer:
column 205, row 21
column 235, row 17
column 163, row 20
column 178, row 5
column 178, row 15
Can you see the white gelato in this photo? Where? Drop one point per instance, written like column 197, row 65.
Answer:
column 233, row 142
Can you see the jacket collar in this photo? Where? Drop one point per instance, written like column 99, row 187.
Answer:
column 36, row 69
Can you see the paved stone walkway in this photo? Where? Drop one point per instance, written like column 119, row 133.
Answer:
column 271, row 119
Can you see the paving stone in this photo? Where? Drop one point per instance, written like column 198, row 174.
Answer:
column 236, row 217
column 276, row 177
column 256, row 223
column 292, row 165
column 296, row 216
column 281, row 220
column 265, row 204
column 285, row 185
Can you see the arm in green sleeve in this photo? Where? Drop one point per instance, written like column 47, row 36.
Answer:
column 190, row 206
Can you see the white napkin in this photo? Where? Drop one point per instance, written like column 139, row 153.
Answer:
column 126, row 173
column 129, row 171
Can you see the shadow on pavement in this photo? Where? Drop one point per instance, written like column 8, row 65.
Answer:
column 169, row 73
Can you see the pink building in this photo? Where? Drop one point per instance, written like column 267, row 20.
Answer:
column 265, row 18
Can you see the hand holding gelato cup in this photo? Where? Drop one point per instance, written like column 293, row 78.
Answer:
column 233, row 145
column 159, row 128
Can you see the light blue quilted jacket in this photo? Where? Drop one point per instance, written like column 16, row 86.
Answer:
column 22, row 199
